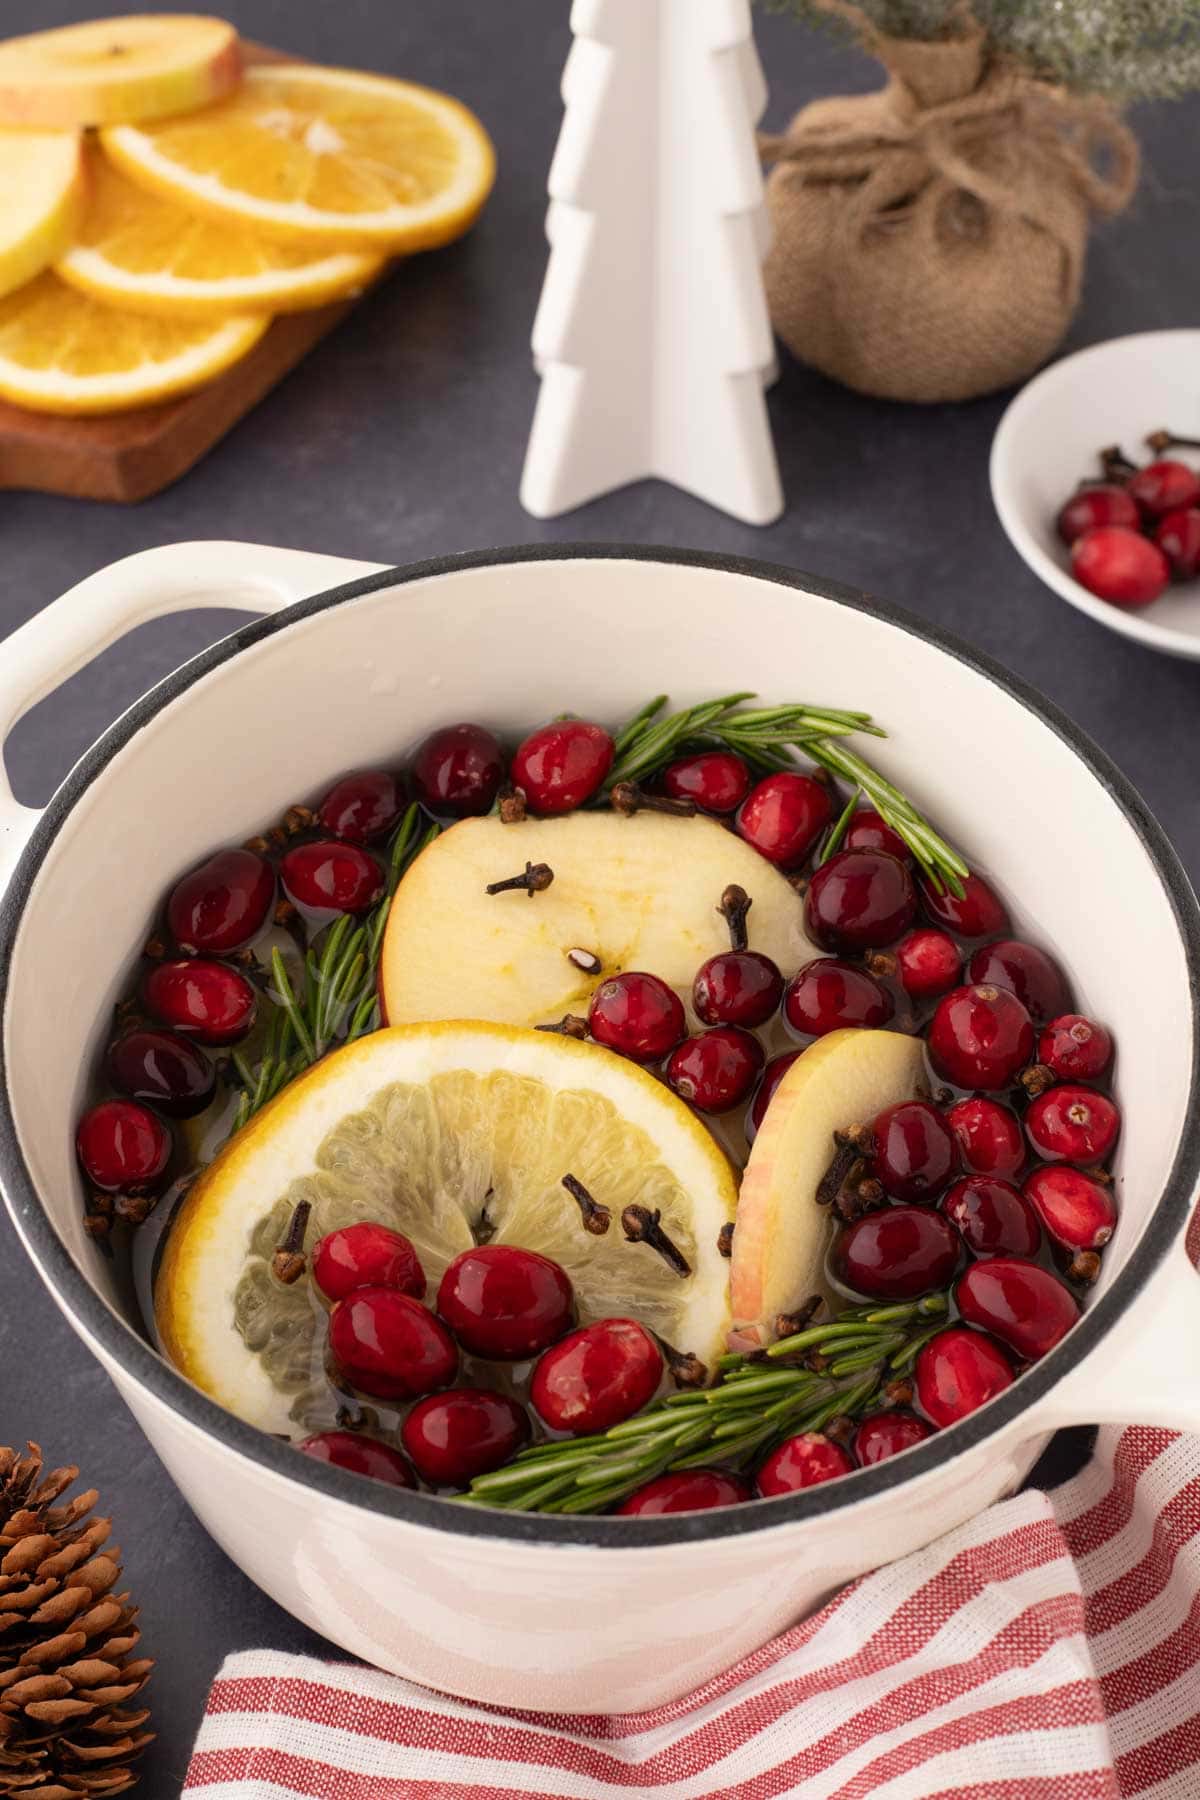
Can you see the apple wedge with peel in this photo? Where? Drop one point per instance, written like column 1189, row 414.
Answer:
column 782, row 1236
column 633, row 893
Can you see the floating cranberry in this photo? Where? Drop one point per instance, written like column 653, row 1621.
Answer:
column 1120, row 565
column 958, row 1371
column 715, row 1070
column 1178, row 537
column 869, row 830
column 981, row 1037
column 989, row 1136
column 898, row 1253
column 885, row 1434
column 457, row 771
column 916, row 1152
column 123, row 1147
column 1069, row 1123
column 1078, row 1212
column 223, row 904
column 928, row 963
column 637, row 1014
column 362, row 807
column 859, row 900
column 388, row 1345
column 1163, row 486
column 1102, row 504
column 737, row 987
column 203, row 999
column 691, row 1490
column 562, row 765
column 1027, row 972
column 597, row 1376
column 1022, row 1304
column 717, row 780
column 505, row 1303
column 167, row 1071
column 975, row 913
column 826, row 995
column 366, row 1255
column 360, row 1455
column 783, row 816
column 993, row 1218
column 773, row 1074
column 331, row 877
column 1075, row 1048
column 803, row 1461
column 454, row 1437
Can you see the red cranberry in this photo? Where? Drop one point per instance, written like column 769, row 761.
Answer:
column 885, row 1434
column 457, row 771
column 163, row 1069
column 1072, row 1124
column 773, row 1074
column 858, row 900
column 783, row 816
column 362, row 807
column 366, row 1255
column 223, row 904
column 827, row 994
column 869, row 830
column 454, row 1437
column 388, row 1345
column 992, row 1217
column 1178, row 537
column 717, row 780
column 1077, row 1211
column 976, row 913
column 691, row 1490
column 928, row 963
column 331, row 877
column 915, row 1150
column 1026, row 971
column 1163, row 486
column 715, row 1071
column 980, row 1037
column 958, row 1371
column 803, row 1461
column 562, row 765
column 989, row 1136
column 203, row 999
column 898, row 1253
column 123, row 1147
column 360, row 1455
column 597, row 1376
column 1022, row 1304
column 505, row 1303
column 1075, row 1048
column 1103, row 504
column 637, row 1014
column 1120, row 565
column 737, row 987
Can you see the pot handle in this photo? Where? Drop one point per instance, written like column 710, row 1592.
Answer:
column 68, row 633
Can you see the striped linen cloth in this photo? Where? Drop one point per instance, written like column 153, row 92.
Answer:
column 1047, row 1650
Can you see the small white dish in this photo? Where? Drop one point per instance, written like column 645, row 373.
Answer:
column 1113, row 393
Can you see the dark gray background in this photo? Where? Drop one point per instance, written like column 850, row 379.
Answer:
column 402, row 437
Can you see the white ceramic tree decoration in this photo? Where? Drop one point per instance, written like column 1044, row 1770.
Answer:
column 652, row 337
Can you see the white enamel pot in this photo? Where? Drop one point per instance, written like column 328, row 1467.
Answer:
column 574, row 1614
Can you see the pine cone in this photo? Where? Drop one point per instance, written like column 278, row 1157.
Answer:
column 65, row 1643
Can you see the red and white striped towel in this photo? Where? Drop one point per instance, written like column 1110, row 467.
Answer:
column 1048, row 1650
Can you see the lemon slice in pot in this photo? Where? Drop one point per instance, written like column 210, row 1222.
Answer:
column 453, row 1134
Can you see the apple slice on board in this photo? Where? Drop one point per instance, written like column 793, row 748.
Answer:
column 637, row 893
column 782, row 1235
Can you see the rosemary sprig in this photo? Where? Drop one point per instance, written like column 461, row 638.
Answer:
column 756, row 1401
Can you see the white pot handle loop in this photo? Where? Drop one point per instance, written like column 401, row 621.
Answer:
column 66, row 635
